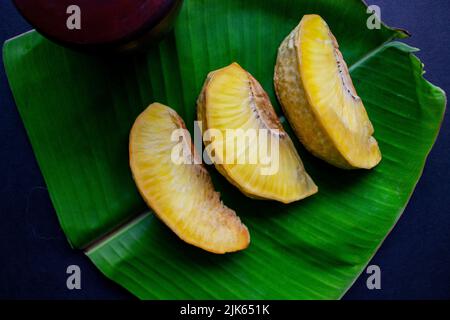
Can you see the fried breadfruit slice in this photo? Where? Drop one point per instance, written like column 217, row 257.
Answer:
column 232, row 101
column 181, row 195
column 314, row 87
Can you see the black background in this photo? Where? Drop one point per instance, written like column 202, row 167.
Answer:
column 415, row 258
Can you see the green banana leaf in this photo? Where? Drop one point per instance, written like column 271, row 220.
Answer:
column 78, row 110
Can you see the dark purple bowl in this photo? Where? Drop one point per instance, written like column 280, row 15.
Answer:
column 120, row 25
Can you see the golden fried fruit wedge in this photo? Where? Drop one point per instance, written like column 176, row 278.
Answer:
column 233, row 103
column 182, row 195
column 316, row 92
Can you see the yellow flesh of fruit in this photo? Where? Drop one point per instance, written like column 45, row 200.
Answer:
column 337, row 128
column 182, row 195
column 233, row 100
